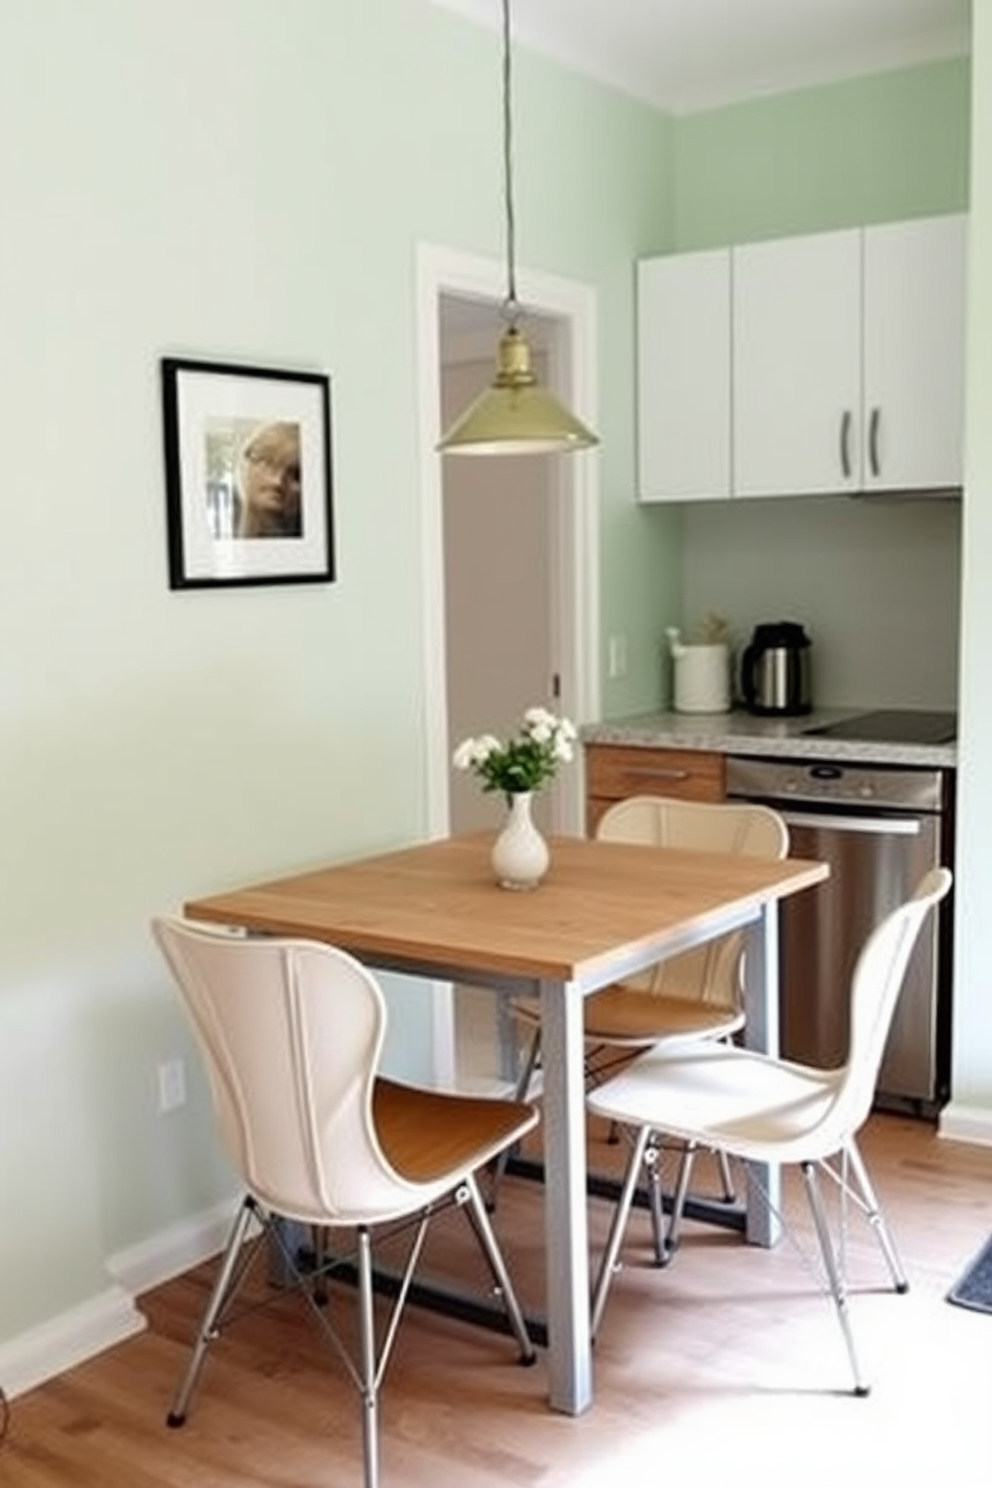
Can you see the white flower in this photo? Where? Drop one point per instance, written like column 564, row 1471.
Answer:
column 486, row 746
column 540, row 718
column 473, row 752
column 525, row 762
column 464, row 756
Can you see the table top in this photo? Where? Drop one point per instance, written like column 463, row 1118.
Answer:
column 437, row 904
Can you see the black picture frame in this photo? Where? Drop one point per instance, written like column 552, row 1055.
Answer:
column 248, row 480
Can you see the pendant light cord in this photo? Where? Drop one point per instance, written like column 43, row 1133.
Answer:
column 511, row 308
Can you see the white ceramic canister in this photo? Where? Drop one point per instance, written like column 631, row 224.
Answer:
column 701, row 676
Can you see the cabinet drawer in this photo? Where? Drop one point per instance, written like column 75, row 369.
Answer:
column 615, row 771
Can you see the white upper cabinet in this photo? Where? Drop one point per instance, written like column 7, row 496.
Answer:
column 797, row 365
column 808, row 365
column 914, row 296
column 683, row 376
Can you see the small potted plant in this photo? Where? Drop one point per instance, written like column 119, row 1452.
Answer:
column 518, row 768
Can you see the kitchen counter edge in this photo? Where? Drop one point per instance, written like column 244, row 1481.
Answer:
column 742, row 733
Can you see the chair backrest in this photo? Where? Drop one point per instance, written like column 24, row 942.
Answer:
column 877, row 979
column 291, row 1033
column 713, row 972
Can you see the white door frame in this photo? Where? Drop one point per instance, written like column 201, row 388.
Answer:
column 571, row 373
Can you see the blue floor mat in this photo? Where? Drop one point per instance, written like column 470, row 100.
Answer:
column 974, row 1289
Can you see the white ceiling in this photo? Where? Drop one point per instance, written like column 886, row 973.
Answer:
column 689, row 54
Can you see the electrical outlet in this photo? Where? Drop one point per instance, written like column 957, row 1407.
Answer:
column 171, row 1085
column 617, row 656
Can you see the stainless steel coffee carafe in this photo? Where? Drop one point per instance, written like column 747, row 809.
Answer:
column 775, row 669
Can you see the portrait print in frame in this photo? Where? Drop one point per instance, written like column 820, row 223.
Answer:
column 248, row 475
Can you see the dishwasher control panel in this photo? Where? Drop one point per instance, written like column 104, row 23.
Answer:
column 827, row 782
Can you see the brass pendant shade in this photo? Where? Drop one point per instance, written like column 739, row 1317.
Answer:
column 514, row 416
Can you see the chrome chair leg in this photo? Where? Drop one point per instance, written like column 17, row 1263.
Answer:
column 665, row 1245
column 876, row 1219
column 837, row 1288
column 520, row 1093
column 726, row 1177
column 368, row 1367
column 652, row 1164
column 526, row 1076
column 608, row 1264
column 678, row 1199
column 486, row 1236
column 226, row 1284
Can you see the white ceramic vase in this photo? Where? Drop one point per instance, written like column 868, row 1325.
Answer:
column 520, row 854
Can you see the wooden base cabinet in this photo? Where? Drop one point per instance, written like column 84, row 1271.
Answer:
column 616, row 771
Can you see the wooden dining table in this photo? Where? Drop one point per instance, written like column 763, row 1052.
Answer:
column 605, row 911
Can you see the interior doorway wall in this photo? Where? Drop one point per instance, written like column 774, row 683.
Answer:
column 500, row 573
column 473, row 561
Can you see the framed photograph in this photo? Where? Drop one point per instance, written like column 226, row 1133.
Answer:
column 247, row 475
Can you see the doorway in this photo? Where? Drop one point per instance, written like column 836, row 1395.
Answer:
column 500, row 572
column 510, row 566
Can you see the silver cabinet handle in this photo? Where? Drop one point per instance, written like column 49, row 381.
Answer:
column 876, row 416
column 845, row 444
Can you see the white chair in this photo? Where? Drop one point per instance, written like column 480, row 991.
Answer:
column 696, row 995
column 767, row 1110
column 291, row 1033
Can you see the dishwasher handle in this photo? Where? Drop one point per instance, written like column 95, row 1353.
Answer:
column 879, row 826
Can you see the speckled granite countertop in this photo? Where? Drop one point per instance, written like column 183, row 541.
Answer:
column 741, row 733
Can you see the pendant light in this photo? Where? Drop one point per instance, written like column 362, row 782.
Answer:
column 514, row 416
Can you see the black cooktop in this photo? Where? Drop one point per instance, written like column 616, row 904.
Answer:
column 892, row 726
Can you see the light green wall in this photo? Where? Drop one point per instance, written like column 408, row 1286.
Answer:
column 870, row 150
column 245, row 181
column 604, row 185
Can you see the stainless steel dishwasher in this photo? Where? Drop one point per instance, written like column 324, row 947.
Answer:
column 880, row 828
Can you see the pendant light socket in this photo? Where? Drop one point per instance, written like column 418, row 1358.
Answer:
column 514, row 415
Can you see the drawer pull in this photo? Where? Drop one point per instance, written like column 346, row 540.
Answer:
column 656, row 772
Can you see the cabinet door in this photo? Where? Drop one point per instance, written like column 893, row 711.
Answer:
column 683, row 376
column 914, row 278
column 797, row 365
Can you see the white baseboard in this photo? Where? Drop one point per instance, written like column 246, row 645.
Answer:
column 70, row 1338
column 963, row 1123
column 113, row 1314
column 174, row 1250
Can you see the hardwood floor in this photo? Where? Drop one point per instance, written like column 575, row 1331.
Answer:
column 728, row 1366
